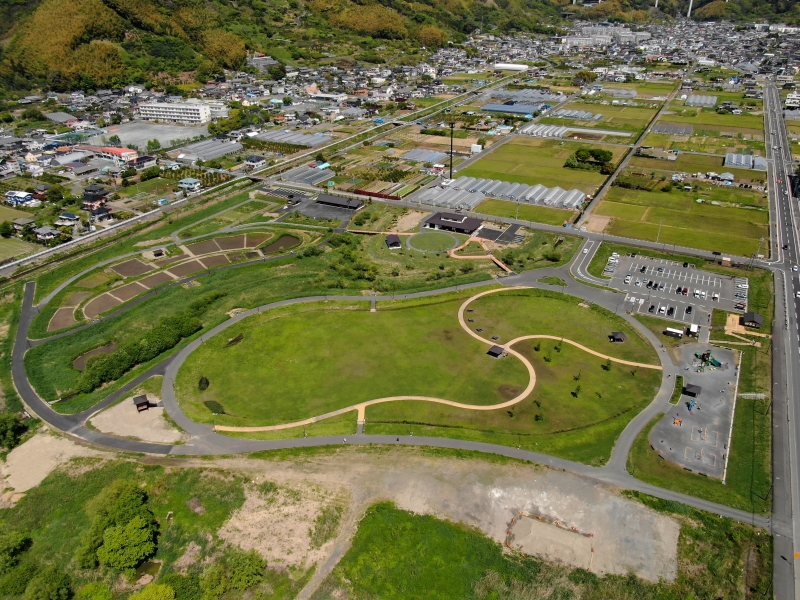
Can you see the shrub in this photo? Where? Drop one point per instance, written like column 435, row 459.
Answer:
column 246, row 569
column 11, row 430
column 126, row 546
column 49, row 584
column 12, row 545
column 202, row 385
column 94, row 591
column 214, row 582
column 154, row 591
column 186, row 587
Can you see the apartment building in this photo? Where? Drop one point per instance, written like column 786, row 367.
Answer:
column 178, row 112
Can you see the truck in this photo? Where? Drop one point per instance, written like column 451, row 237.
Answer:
column 672, row 332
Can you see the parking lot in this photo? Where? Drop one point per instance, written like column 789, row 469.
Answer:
column 668, row 289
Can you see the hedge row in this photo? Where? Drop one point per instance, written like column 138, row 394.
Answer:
column 165, row 335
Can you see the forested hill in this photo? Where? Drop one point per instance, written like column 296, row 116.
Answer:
column 64, row 44
column 773, row 11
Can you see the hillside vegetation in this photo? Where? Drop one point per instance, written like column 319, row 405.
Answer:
column 89, row 44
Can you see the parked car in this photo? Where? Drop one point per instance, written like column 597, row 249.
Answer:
column 652, row 308
column 689, row 310
column 671, row 311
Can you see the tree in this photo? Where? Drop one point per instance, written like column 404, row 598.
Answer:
column 246, row 569
column 114, row 140
column 49, row 584
column 601, row 156
column 125, row 547
column 287, row 101
column 94, row 591
column 6, row 229
column 33, row 114
column 153, row 146
column 214, row 582
column 12, row 545
column 11, row 430
column 154, row 591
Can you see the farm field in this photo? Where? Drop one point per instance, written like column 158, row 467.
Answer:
column 537, row 160
column 710, row 119
column 684, row 222
column 708, row 141
column 648, row 89
column 694, row 163
column 9, row 214
column 526, row 212
column 15, row 248
column 623, row 118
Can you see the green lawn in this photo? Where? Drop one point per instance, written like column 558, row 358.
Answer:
column 157, row 186
column 9, row 214
column 748, row 485
column 317, row 358
column 432, row 242
column 676, row 218
column 536, row 160
column 526, row 212
column 401, row 555
column 622, row 118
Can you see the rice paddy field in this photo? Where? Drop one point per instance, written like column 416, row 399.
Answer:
column 537, row 160
column 676, row 218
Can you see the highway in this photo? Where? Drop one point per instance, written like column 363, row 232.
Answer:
column 786, row 352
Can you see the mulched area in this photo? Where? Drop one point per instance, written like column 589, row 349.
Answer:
column 256, row 239
column 187, row 268
column 99, row 305
column 206, row 247
column 132, row 268
column 80, row 362
column 231, row 243
column 155, row 279
column 215, row 260
column 126, row 292
column 64, row 317
column 76, row 298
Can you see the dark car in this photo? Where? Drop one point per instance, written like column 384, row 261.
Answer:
column 652, row 308
column 685, row 265
column 678, row 290
column 671, row 311
column 643, row 270
column 649, row 285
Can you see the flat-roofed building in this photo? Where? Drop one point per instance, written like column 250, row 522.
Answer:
column 193, row 113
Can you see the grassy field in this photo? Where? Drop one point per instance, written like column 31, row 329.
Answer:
column 433, row 241
column 16, row 248
column 54, row 515
column 622, row 118
column 397, row 554
column 526, row 212
column 306, row 366
column 748, row 486
column 538, row 160
column 710, row 119
column 553, row 419
column 684, row 222
column 9, row 214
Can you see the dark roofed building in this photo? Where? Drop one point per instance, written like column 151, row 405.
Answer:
column 393, row 241
column 692, row 390
column 454, row 222
column 349, row 203
column 752, row 319
column 617, row 337
column 495, row 351
column 141, row 403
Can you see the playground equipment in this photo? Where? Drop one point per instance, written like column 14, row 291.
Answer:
column 706, row 359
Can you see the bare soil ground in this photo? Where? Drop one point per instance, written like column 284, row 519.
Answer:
column 597, row 223
column 27, row 465
column 99, row 305
column 63, row 317
column 132, row 268
column 124, row 420
column 410, row 221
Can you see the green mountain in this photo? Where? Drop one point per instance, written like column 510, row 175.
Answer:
column 67, row 44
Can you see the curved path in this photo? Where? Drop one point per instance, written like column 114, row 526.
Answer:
column 205, row 442
column 362, row 406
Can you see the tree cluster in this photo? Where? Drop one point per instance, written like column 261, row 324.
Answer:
column 591, row 159
column 165, row 335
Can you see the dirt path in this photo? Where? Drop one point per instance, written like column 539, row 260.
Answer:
column 507, row 347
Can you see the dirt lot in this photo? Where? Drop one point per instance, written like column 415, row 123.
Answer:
column 155, row 279
column 597, row 223
column 63, row 317
column 126, row 292
column 215, row 260
column 132, row 268
column 187, row 268
column 28, row 464
column 235, row 242
column 410, row 221
column 99, row 305
column 124, row 420
column 203, row 247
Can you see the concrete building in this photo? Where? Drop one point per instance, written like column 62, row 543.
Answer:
column 178, row 112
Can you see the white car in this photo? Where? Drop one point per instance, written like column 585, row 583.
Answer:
column 586, row 251
column 794, row 268
column 628, row 279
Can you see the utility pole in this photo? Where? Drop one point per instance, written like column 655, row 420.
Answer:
column 753, row 258
column 659, row 230
column 452, row 128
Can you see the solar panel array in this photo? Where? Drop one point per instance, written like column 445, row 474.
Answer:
column 552, row 131
column 673, row 129
column 580, row 115
column 702, row 101
column 424, row 156
column 308, row 175
column 293, row 137
column 468, row 192
column 211, row 149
